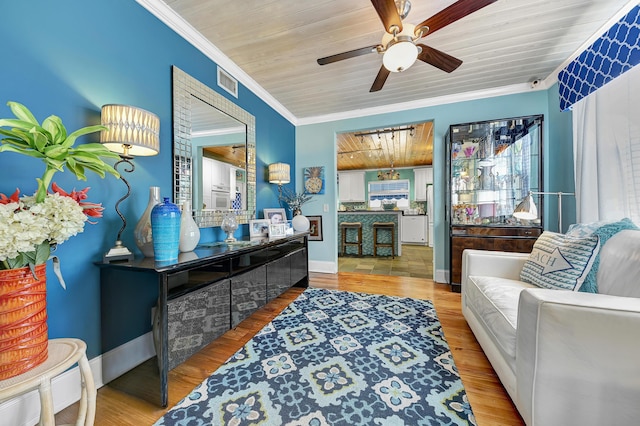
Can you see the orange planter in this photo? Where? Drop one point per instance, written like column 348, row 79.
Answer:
column 23, row 320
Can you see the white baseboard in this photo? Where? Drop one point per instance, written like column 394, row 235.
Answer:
column 323, row 267
column 125, row 357
column 24, row 410
column 441, row 276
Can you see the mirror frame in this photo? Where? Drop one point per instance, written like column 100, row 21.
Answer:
column 184, row 88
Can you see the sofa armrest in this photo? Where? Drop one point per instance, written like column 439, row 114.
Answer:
column 492, row 263
column 577, row 358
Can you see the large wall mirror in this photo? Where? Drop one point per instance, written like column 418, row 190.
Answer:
column 214, row 147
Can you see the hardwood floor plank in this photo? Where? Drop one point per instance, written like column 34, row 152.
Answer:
column 490, row 403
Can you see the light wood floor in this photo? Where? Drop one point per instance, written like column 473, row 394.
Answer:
column 489, row 401
column 416, row 261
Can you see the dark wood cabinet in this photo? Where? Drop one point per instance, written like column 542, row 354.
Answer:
column 196, row 300
column 511, row 239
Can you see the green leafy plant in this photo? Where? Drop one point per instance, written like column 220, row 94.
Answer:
column 294, row 200
column 31, row 225
column 51, row 143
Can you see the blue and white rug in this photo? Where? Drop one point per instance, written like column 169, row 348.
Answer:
column 336, row 358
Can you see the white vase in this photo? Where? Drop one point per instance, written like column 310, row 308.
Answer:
column 189, row 231
column 142, row 232
column 300, row 223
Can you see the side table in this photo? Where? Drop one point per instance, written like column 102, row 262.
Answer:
column 63, row 353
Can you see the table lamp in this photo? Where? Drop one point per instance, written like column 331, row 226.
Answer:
column 131, row 132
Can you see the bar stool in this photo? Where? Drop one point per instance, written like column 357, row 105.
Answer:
column 63, row 353
column 344, row 227
column 390, row 226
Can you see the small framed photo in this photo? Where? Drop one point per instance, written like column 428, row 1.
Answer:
column 315, row 228
column 289, row 227
column 277, row 230
column 259, row 228
column 275, row 215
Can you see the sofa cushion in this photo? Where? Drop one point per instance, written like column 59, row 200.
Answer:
column 495, row 303
column 619, row 260
column 559, row 261
column 604, row 231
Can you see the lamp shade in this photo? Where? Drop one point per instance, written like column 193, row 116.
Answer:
column 131, row 131
column 527, row 209
column 279, row 173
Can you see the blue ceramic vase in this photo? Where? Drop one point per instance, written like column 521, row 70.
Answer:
column 165, row 228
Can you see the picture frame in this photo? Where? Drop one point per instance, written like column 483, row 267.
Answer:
column 289, row 227
column 259, row 228
column 275, row 215
column 314, row 179
column 277, row 230
column 315, row 228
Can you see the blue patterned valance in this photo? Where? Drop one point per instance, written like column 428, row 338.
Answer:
column 615, row 52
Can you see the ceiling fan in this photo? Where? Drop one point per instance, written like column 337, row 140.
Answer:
column 399, row 47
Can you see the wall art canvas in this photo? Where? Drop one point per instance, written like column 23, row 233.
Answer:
column 314, row 179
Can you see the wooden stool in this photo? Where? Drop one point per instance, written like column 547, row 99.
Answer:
column 384, row 226
column 345, row 226
column 63, row 353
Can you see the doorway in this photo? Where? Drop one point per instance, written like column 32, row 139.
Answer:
column 389, row 153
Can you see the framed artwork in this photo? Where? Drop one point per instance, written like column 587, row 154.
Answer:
column 314, row 179
column 277, row 230
column 289, row 227
column 275, row 215
column 259, row 228
column 315, row 228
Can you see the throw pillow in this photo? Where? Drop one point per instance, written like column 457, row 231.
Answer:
column 603, row 230
column 558, row 261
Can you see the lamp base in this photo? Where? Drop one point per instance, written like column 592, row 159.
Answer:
column 117, row 253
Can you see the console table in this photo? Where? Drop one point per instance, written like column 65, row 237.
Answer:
column 199, row 297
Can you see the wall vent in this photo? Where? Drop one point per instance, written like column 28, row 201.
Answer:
column 227, row 82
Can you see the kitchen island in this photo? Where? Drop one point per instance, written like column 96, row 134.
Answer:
column 367, row 218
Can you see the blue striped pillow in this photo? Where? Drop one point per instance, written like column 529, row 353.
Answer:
column 560, row 262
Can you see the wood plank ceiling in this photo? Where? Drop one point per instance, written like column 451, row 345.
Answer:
column 277, row 42
column 386, row 148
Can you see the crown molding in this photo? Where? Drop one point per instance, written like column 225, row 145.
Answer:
column 423, row 103
column 174, row 21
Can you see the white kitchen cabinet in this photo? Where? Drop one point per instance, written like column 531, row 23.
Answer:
column 351, row 187
column 216, row 175
column 414, row 229
column 421, row 178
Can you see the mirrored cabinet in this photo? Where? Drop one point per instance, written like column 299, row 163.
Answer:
column 492, row 167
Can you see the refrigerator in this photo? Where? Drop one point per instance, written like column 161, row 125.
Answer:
column 429, row 212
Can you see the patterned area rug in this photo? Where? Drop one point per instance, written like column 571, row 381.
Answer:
column 336, row 358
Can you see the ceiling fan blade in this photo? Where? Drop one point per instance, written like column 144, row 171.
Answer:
column 456, row 11
column 347, row 55
column 380, row 79
column 438, row 59
column 388, row 14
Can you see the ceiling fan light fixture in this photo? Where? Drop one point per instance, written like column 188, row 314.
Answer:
column 400, row 55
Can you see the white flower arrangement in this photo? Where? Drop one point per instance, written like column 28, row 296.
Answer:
column 26, row 224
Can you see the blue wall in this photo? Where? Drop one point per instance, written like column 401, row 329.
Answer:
column 316, row 145
column 71, row 57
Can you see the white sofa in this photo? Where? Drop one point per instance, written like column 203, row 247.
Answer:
column 565, row 358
